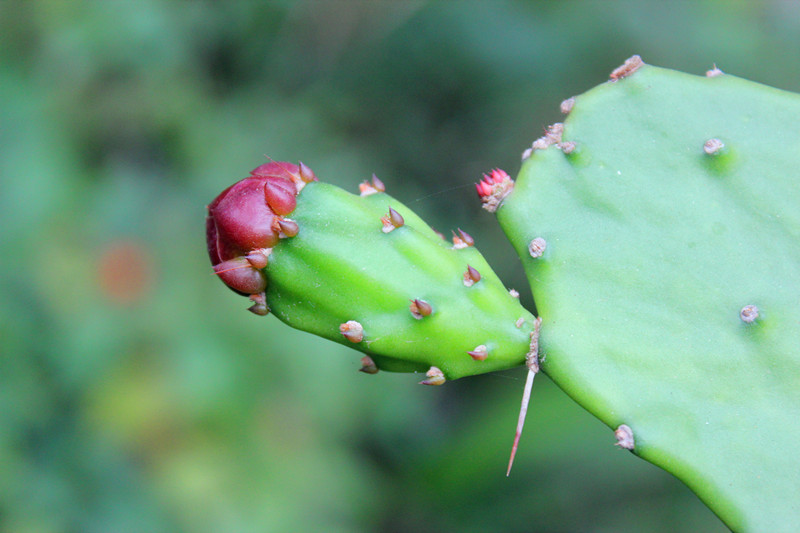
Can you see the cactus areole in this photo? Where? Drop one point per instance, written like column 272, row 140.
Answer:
column 365, row 271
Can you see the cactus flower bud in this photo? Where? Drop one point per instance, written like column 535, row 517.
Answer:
column 493, row 188
column 247, row 220
column 338, row 269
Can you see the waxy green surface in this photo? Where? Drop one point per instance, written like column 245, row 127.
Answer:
column 653, row 248
column 341, row 266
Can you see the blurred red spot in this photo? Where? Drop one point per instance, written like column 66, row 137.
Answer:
column 125, row 272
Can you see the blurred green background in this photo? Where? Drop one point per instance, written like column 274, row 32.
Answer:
column 137, row 394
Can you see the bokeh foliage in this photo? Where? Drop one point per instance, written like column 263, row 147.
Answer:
column 136, row 394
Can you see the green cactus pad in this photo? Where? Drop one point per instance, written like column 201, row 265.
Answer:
column 342, row 267
column 669, row 205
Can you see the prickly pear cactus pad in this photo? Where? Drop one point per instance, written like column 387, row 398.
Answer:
column 365, row 271
column 659, row 227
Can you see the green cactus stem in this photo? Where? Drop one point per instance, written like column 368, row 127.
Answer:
column 365, row 271
column 659, row 227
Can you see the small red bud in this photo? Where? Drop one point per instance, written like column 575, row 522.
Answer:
column 493, row 188
column 498, row 175
column 483, row 188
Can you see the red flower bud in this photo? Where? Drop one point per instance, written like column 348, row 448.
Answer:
column 241, row 219
column 493, row 188
column 247, row 219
